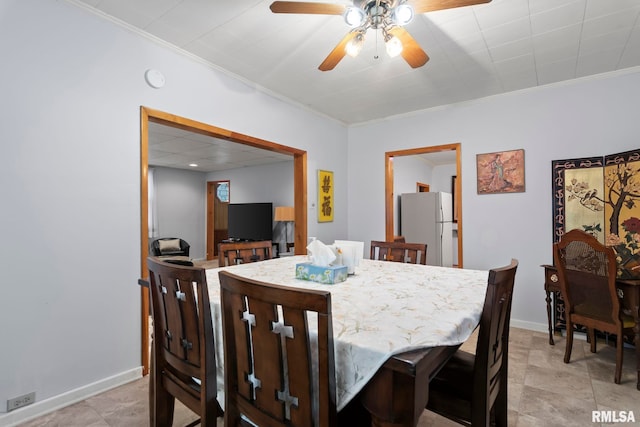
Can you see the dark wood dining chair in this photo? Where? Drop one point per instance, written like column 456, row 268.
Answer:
column 243, row 252
column 268, row 354
column 413, row 253
column 183, row 364
column 471, row 389
column 587, row 271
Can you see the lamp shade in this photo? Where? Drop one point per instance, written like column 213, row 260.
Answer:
column 284, row 213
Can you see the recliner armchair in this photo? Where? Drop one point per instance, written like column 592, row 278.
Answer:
column 169, row 246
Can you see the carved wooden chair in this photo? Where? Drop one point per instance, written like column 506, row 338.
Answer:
column 183, row 363
column 271, row 357
column 243, row 252
column 413, row 253
column 587, row 271
column 472, row 389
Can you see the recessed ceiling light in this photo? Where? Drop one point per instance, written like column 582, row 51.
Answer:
column 193, row 165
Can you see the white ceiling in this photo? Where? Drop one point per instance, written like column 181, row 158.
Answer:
column 474, row 51
column 176, row 148
column 180, row 149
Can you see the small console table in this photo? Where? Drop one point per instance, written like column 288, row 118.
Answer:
column 628, row 292
column 551, row 285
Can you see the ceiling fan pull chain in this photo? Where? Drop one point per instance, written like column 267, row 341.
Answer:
column 376, row 56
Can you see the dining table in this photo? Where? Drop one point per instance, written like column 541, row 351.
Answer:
column 394, row 326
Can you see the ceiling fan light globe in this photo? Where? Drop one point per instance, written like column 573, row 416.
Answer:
column 403, row 14
column 354, row 16
column 394, row 46
column 354, row 46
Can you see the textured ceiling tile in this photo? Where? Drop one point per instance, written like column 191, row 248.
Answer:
column 505, row 44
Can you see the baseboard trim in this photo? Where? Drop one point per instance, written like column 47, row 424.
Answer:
column 532, row 326
column 46, row 406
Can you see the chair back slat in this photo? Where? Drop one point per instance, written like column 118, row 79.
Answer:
column 243, row 252
column 413, row 253
column 177, row 321
column 492, row 348
column 301, row 384
column 275, row 373
column 183, row 342
column 266, row 347
column 471, row 389
column 244, row 360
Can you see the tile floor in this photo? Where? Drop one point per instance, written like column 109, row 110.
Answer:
column 543, row 391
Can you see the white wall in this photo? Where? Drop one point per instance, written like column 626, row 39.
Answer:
column 72, row 85
column 271, row 183
column 258, row 184
column 441, row 179
column 586, row 118
column 181, row 198
column 407, row 171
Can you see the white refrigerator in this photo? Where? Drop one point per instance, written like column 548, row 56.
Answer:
column 428, row 218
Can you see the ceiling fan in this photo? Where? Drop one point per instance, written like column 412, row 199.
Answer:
column 389, row 16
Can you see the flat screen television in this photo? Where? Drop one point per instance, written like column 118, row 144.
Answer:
column 250, row 221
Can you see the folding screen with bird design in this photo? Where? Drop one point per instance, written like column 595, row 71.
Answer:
column 601, row 195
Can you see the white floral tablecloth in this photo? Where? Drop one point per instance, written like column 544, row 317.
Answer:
column 384, row 309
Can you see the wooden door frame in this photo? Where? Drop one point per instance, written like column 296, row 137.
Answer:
column 211, row 229
column 299, row 188
column 422, row 187
column 389, row 195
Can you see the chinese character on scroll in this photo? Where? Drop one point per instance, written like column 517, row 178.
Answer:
column 325, row 196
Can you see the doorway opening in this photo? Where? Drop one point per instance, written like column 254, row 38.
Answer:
column 390, row 196
column 422, row 187
column 148, row 115
column 217, row 216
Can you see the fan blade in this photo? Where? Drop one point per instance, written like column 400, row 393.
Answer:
column 307, row 8
column 337, row 53
column 422, row 6
column 411, row 50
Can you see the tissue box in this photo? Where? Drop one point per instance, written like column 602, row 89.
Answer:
column 316, row 273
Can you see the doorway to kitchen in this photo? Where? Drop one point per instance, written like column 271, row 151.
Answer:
column 456, row 190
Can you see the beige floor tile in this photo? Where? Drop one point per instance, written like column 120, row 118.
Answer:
column 552, row 356
column 621, row 397
column 567, row 382
column 520, row 337
column 602, row 363
column 514, row 396
column 78, row 415
column 556, row 408
column 430, row 419
column 518, row 364
column 531, row 421
column 543, row 390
